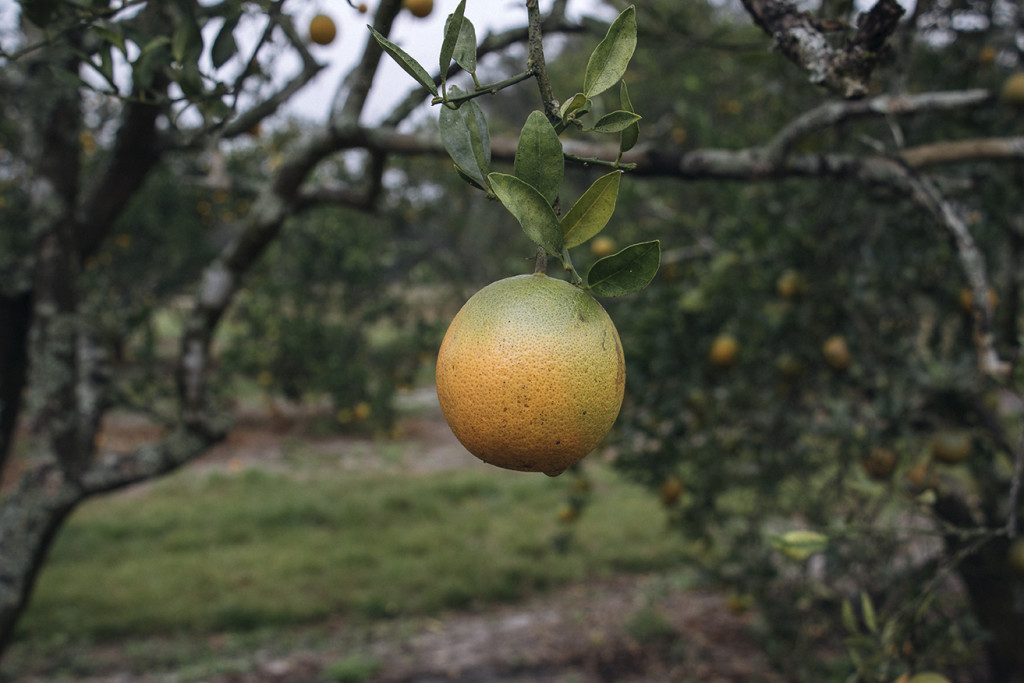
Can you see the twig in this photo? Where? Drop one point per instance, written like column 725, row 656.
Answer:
column 481, row 90
column 537, row 65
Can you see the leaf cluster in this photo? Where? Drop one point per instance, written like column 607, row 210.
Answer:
column 532, row 192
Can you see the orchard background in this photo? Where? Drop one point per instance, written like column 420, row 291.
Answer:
column 836, row 190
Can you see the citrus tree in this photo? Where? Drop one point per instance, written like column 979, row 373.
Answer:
column 821, row 384
column 837, row 195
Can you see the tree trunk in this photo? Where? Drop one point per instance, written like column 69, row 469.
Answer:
column 994, row 589
column 16, row 312
column 996, row 595
column 29, row 519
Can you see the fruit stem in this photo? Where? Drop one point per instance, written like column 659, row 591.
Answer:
column 541, row 264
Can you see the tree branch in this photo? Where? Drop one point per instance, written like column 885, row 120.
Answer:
column 802, row 39
column 833, row 113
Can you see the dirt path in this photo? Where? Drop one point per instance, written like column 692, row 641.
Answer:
column 623, row 630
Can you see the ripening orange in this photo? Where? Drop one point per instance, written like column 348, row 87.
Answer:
column 419, row 8
column 724, row 351
column 530, row 374
column 322, row 30
column 836, row 352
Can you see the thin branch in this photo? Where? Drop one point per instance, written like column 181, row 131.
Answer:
column 925, row 195
column 958, row 151
column 491, row 89
column 350, row 100
column 833, row 113
column 536, row 63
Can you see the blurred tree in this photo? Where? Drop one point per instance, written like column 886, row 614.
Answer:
column 879, row 223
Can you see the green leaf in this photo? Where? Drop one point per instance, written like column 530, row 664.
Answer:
column 187, row 43
column 849, row 620
column 626, row 272
column 615, row 122
column 452, row 31
column 591, row 212
column 464, row 135
column 106, row 65
column 406, row 61
column 610, row 58
column 799, row 544
column 113, row 36
column 631, row 134
column 539, row 158
column 869, row 612
column 224, row 45
column 575, row 107
column 465, row 47
column 531, row 209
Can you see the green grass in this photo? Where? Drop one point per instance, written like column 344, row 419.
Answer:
column 228, row 553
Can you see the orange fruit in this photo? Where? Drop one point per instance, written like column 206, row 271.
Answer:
column 671, row 490
column 790, row 284
column 1013, row 89
column 530, row 374
column 929, row 677
column 966, row 299
column 836, row 352
column 602, row 246
column 724, row 350
column 419, row 8
column 879, row 463
column 1015, row 555
column 322, row 30
column 950, row 447
column 919, row 478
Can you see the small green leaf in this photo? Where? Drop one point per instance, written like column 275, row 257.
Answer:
column 631, row 134
column 187, row 43
column 799, row 544
column 539, row 158
column 849, row 620
column 452, row 31
column 113, row 36
column 531, row 209
column 610, row 58
column 869, row 612
column 106, row 65
column 591, row 212
column 465, row 47
column 406, row 61
column 224, row 45
column 577, row 106
column 464, row 135
column 626, row 272
column 615, row 122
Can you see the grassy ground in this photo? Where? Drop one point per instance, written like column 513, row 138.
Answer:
column 223, row 552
